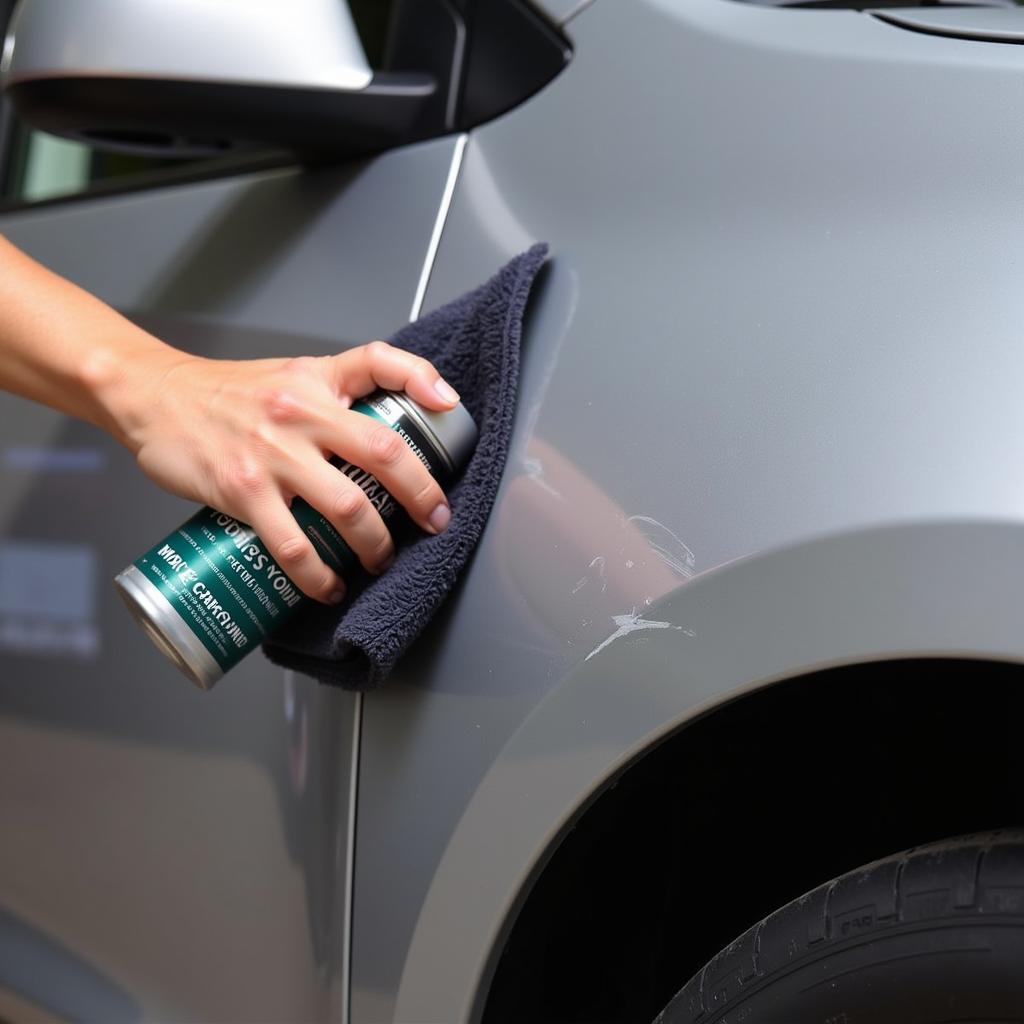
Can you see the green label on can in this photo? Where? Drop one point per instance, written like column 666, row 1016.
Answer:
column 217, row 575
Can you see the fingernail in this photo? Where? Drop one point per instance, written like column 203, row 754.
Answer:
column 337, row 597
column 440, row 517
column 446, row 391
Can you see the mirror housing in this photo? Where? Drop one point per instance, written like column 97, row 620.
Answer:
column 201, row 77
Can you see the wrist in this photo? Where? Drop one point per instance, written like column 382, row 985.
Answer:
column 122, row 381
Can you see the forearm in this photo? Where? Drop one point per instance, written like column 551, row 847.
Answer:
column 67, row 349
column 245, row 436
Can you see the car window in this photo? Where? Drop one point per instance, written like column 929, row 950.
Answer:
column 41, row 166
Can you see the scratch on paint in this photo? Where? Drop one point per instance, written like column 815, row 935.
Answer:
column 631, row 623
column 667, row 545
column 534, row 470
column 597, row 562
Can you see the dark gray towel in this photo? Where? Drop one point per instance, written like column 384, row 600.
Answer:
column 474, row 343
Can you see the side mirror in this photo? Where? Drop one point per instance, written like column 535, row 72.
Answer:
column 200, row 77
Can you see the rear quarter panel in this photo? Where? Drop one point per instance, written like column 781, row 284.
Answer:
column 769, row 421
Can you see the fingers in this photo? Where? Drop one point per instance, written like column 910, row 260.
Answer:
column 276, row 527
column 346, row 506
column 376, row 448
column 361, row 370
column 300, row 413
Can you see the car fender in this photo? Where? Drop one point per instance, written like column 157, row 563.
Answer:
column 943, row 589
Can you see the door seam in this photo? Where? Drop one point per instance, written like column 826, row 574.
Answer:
column 350, row 852
column 439, row 221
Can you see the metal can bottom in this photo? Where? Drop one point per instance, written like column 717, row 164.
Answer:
column 166, row 628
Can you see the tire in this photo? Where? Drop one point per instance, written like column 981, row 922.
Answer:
column 933, row 935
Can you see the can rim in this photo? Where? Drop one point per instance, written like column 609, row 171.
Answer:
column 167, row 630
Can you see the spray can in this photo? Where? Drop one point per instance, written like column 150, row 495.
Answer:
column 209, row 593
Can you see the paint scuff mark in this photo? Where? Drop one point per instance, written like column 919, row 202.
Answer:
column 632, row 623
column 668, row 546
column 534, row 470
column 597, row 562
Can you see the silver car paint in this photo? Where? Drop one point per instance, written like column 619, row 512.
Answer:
column 185, row 853
column 782, row 313
column 781, row 320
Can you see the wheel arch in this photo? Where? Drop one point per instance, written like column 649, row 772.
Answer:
column 880, row 595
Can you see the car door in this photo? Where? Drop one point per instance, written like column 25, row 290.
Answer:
column 167, row 853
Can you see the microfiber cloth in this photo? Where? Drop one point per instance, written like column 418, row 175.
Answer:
column 474, row 343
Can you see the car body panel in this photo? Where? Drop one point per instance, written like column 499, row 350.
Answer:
column 782, row 307
column 769, row 422
column 324, row 254
column 730, row 632
column 184, row 855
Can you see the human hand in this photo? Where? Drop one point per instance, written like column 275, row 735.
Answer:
column 247, row 436
column 243, row 436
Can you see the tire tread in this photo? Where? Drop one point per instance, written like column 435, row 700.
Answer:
column 967, row 877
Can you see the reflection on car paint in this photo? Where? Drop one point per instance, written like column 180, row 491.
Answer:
column 296, row 716
column 28, row 458
column 586, row 580
column 51, row 977
column 48, row 598
column 483, row 192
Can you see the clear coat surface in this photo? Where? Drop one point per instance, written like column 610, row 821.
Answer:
column 769, row 421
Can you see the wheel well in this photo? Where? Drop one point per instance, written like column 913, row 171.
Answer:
column 745, row 809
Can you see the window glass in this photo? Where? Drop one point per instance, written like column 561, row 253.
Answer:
column 51, row 167
column 42, row 166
